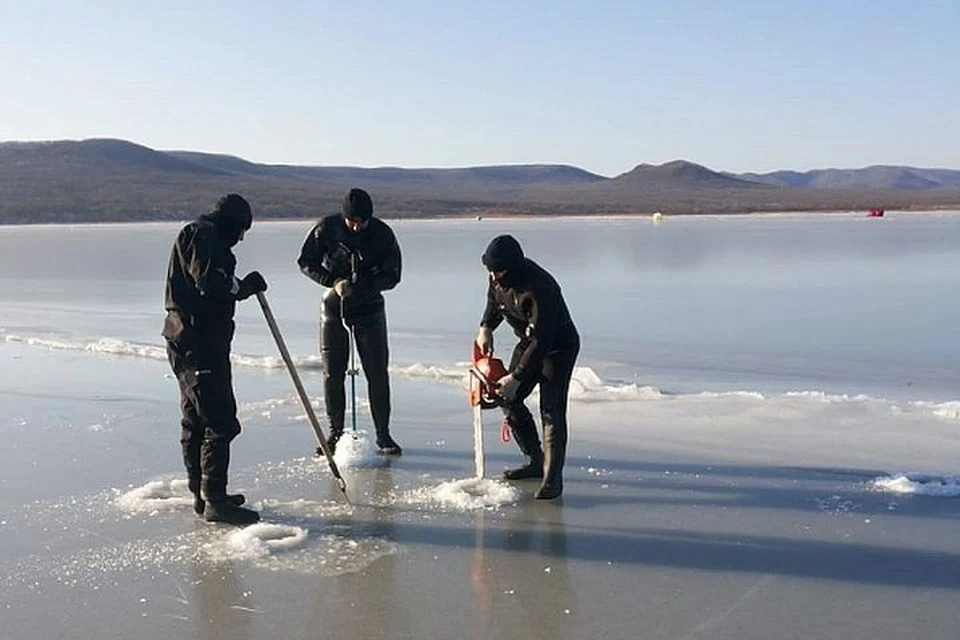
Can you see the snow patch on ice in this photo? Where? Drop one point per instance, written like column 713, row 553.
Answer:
column 948, row 410
column 430, row 372
column 257, row 541
column 276, row 362
column 748, row 395
column 357, row 450
column 155, row 497
column 587, row 386
column 289, row 548
column 465, row 495
column 922, row 484
column 110, row 346
column 821, row 396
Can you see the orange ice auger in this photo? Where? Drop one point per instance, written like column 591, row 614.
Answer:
column 485, row 373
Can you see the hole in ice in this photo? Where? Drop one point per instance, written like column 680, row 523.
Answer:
column 155, row 496
column 265, row 538
column 357, row 450
column 466, row 495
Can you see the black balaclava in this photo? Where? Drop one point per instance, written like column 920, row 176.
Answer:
column 503, row 253
column 357, row 205
column 232, row 216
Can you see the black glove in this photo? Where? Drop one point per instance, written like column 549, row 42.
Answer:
column 509, row 386
column 252, row 284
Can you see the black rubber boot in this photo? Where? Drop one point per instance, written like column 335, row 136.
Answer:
column 335, row 435
column 191, row 460
column 214, row 461
column 533, row 469
column 219, row 505
column 229, row 513
column 193, row 482
column 199, row 504
column 554, row 454
column 529, row 443
column 550, row 489
column 389, row 447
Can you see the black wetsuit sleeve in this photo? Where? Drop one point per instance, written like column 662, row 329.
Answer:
column 386, row 275
column 312, row 256
column 492, row 317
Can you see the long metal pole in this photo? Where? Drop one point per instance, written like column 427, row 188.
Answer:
column 304, row 399
column 351, row 342
column 352, row 371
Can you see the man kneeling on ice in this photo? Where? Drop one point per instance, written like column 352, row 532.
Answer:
column 522, row 292
column 201, row 297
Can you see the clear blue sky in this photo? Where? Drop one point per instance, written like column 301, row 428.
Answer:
column 744, row 85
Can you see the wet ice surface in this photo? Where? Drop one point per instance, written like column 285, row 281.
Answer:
column 696, row 515
column 642, row 540
column 650, row 534
column 805, row 503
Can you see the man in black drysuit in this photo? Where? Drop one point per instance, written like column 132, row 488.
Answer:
column 522, row 292
column 357, row 256
column 201, row 296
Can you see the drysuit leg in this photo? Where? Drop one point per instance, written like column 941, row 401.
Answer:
column 373, row 348
column 209, row 417
column 333, row 353
column 523, row 427
column 554, row 394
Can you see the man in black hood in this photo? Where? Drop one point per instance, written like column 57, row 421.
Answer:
column 201, row 296
column 522, row 292
column 357, row 257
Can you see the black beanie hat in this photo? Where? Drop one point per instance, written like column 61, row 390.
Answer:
column 502, row 254
column 357, row 205
column 232, row 211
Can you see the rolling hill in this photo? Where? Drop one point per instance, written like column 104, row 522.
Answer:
column 873, row 177
column 117, row 180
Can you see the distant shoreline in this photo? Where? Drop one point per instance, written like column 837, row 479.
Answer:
column 499, row 217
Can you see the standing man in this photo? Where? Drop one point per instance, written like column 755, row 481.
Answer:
column 522, row 292
column 201, row 296
column 357, row 257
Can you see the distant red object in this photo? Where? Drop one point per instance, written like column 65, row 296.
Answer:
column 875, row 213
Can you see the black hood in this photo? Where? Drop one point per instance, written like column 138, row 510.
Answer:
column 503, row 254
column 232, row 217
column 357, row 205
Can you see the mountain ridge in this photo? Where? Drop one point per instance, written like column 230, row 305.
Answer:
column 112, row 179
